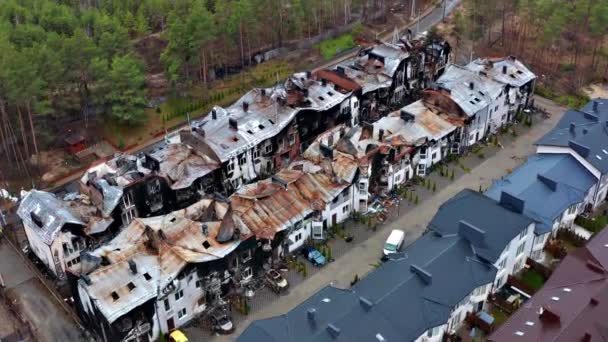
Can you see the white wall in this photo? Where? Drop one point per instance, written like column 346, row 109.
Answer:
column 189, row 301
column 39, row 248
column 510, row 261
column 300, row 236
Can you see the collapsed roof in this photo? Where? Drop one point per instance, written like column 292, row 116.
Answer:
column 146, row 256
column 507, row 70
column 274, row 205
column 183, row 165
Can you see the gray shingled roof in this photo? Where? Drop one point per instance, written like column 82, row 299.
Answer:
column 497, row 225
column 585, row 131
column 51, row 212
column 397, row 302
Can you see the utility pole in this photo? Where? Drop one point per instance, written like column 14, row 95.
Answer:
column 444, row 9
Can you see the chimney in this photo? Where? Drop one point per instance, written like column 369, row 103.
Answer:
column 585, row 131
column 333, row 330
column 549, row 316
column 326, row 151
column 471, row 85
column 133, row 266
column 579, row 148
column 340, row 70
column 214, row 114
column 380, row 134
column 572, row 127
column 551, row 184
column 474, row 235
column 305, row 92
column 323, row 82
column 366, row 303
column 483, row 73
column 205, row 229
column 595, row 267
column 245, row 106
column 263, row 91
column 233, row 124
column 311, row 313
column 594, row 301
column 405, row 116
column 308, row 74
column 504, row 69
column 511, row 202
column 426, row 277
column 595, row 106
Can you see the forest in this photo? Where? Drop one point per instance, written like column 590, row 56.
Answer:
column 563, row 40
column 64, row 58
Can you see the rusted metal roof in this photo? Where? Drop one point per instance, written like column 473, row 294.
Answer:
column 183, row 165
column 339, row 79
column 158, row 248
column 268, row 207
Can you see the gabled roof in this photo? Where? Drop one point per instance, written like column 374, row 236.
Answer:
column 397, row 302
column 584, row 131
column 45, row 214
column 426, row 125
column 276, row 204
column 548, row 184
column 571, row 306
column 263, row 113
column 507, row 70
column 471, row 211
column 457, row 80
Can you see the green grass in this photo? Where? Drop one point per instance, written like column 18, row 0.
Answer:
column 331, row 47
column 532, row 279
column 575, row 101
column 499, row 317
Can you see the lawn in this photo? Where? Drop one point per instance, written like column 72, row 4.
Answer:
column 533, row 279
column 499, row 316
column 197, row 102
column 331, row 47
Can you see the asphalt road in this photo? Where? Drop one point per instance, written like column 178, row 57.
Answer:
column 359, row 259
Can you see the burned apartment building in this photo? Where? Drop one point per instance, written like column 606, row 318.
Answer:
column 190, row 173
column 161, row 272
column 292, row 207
column 519, row 80
column 268, row 128
column 388, row 75
column 125, row 188
column 58, row 229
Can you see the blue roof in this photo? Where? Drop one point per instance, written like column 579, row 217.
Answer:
column 487, row 225
column 547, row 184
column 585, row 131
column 399, row 301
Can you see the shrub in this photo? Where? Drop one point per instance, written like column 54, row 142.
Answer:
column 434, row 186
column 416, row 199
column 452, row 175
column 594, row 224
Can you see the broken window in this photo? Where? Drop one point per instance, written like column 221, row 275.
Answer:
column 167, row 304
column 292, row 139
column 206, row 244
column 147, row 276
column 268, row 147
column 36, row 219
column 246, row 255
column 247, row 273
column 179, row 295
column 181, row 313
column 131, row 286
column 115, row 296
column 201, row 301
column 197, row 284
column 242, row 159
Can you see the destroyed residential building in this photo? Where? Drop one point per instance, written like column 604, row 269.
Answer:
column 389, row 75
column 292, row 206
column 268, row 128
column 124, row 189
column 58, row 230
column 161, row 272
column 511, row 71
column 189, row 172
column 472, row 98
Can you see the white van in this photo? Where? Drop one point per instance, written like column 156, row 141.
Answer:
column 394, row 242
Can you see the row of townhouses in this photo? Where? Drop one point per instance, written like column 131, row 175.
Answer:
column 474, row 243
column 157, row 239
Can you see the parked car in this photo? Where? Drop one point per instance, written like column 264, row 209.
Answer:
column 221, row 323
column 276, row 281
column 393, row 243
column 177, row 336
column 314, row 256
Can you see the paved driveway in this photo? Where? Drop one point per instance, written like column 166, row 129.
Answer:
column 359, row 259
